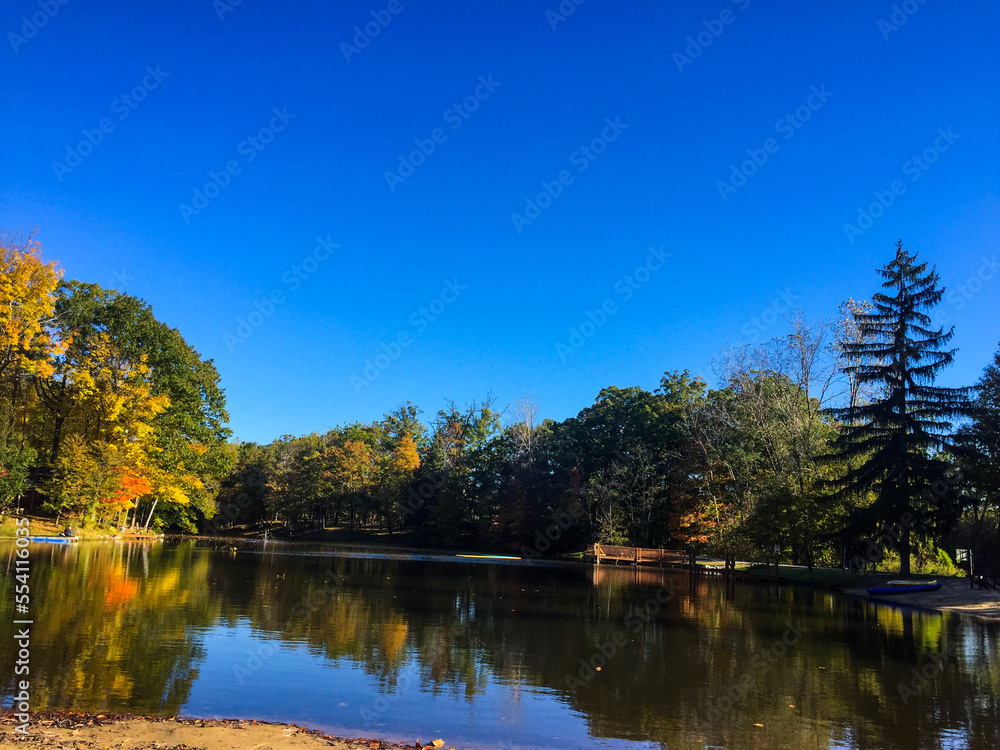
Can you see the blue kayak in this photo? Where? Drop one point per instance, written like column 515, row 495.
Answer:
column 904, row 589
column 52, row 539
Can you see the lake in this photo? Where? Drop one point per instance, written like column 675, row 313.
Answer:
column 493, row 654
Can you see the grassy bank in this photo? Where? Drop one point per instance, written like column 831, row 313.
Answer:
column 39, row 526
column 834, row 578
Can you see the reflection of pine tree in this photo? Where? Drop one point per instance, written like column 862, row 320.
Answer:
column 890, row 441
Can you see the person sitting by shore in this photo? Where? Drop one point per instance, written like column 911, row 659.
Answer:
column 68, row 531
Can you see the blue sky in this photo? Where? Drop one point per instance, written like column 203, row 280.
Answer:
column 310, row 262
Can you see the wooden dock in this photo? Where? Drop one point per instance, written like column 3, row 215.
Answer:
column 672, row 557
column 638, row 555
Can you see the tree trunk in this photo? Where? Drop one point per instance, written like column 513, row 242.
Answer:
column 904, row 552
column 56, row 439
column 150, row 516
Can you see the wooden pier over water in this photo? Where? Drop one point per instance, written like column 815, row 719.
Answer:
column 636, row 555
column 640, row 555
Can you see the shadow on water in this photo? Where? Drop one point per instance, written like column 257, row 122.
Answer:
column 497, row 655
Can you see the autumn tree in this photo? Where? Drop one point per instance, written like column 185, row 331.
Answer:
column 126, row 378
column 350, row 468
column 28, row 343
column 395, row 473
column 27, row 303
column 88, row 480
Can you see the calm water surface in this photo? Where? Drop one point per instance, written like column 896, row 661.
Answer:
column 492, row 654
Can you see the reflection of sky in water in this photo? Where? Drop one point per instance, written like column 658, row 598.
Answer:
column 294, row 683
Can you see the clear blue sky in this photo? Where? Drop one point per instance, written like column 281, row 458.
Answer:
column 115, row 217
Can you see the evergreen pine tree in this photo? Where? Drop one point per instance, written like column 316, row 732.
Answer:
column 890, row 443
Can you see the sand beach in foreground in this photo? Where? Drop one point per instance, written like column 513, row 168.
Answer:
column 54, row 729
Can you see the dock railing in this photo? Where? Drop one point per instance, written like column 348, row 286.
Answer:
column 636, row 555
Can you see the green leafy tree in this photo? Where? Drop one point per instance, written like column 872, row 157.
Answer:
column 87, row 479
column 15, row 462
column 978, row 456
column 106, row 333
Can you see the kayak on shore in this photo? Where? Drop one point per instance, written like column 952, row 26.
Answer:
column 905, row 587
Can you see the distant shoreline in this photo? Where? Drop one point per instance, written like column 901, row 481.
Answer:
column 954, row 596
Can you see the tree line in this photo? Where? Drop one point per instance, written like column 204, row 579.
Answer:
column 829, row 441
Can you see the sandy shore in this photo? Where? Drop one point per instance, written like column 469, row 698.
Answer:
column 953, row 596
column 75, row 731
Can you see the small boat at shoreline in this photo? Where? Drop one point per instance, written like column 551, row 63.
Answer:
column 905, row 587
column 53, row 539
column 491, row 557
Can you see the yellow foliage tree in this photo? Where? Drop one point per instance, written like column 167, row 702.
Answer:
column 87, row 479
column 27, row 302
column 397, row 471
column 405, row 459
column 117, row 408
column 350, row 470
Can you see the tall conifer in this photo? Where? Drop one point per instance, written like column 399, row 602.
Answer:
column 890, row 443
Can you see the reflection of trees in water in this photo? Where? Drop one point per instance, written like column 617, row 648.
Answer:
column 114, row 626
column 121, row 621
column 532, row 625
